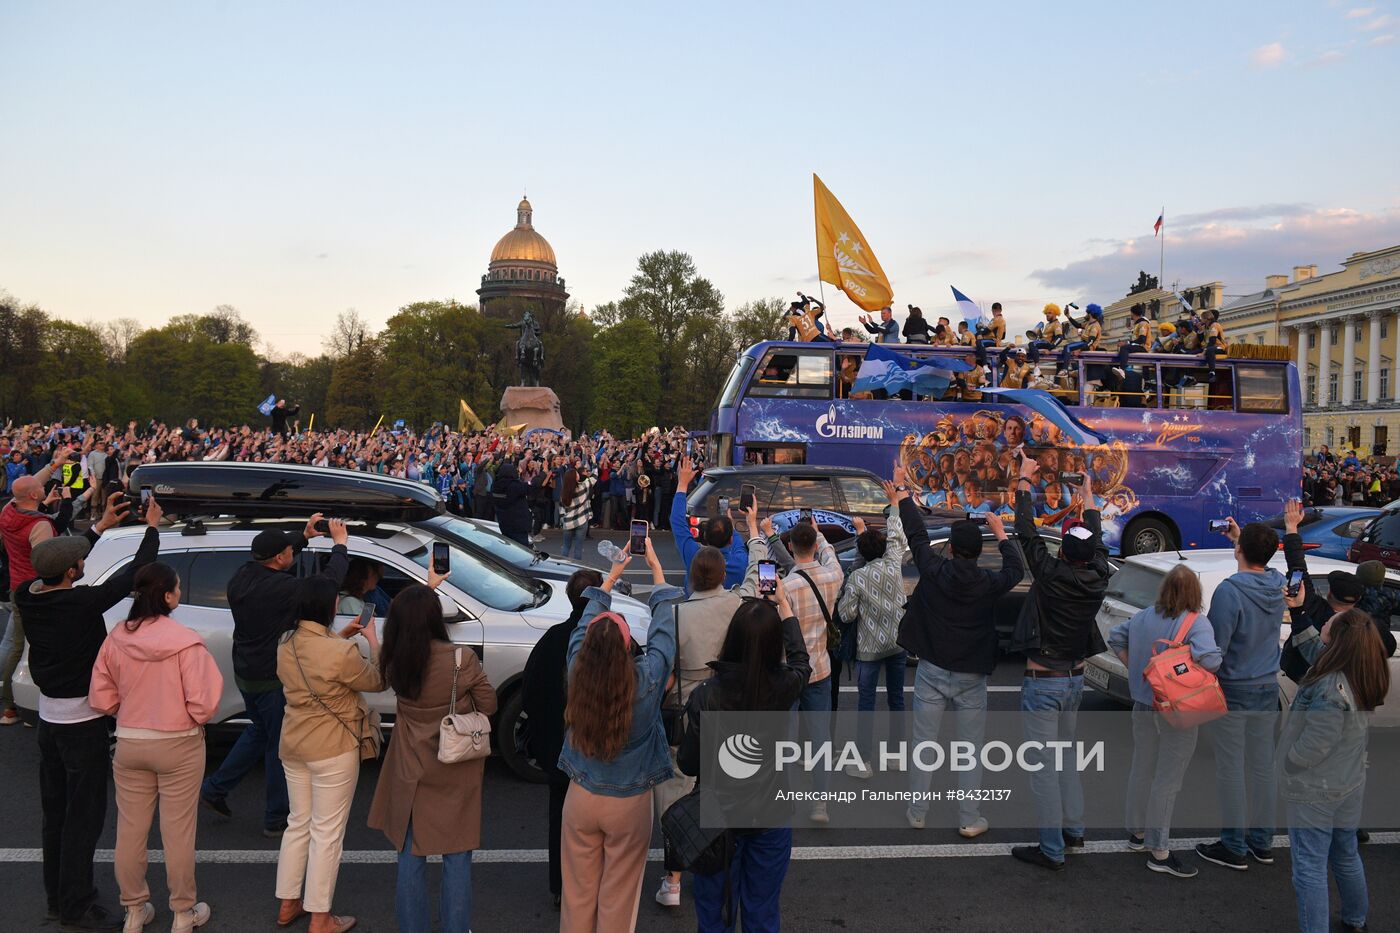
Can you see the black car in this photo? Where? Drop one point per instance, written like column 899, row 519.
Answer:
column 834, row 494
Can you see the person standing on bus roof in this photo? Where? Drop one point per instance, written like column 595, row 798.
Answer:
column 916, row 329
column 717, row 532
column 887, row 331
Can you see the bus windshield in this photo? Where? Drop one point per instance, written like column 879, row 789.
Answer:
column 1167, row 450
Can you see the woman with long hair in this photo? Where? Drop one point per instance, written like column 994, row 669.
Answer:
column 423, row 806
column 762, row 666
column 159, row 680
column 326, row 731
column 615, row 752
column 1161, row 752
column 1322, row 760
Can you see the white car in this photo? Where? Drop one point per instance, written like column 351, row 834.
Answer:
column 1135, row 587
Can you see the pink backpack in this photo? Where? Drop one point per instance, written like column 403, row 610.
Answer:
column 1182, row 691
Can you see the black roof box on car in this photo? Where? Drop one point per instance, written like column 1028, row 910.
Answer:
column 275, row 490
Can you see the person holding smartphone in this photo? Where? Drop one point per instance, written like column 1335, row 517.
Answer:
column 717, row 532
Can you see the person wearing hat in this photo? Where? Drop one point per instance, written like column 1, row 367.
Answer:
column 1364, row 589
column 1046, row 336
column 263, row 596
column 948, row 625
column 1056, row 631
column 65, row 628
column 1016, row 372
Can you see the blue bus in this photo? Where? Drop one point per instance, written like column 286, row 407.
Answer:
column 1171, row 458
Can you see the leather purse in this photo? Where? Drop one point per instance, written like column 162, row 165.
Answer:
column 462, row 736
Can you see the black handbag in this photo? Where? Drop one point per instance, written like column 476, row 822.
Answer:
column 701, row 849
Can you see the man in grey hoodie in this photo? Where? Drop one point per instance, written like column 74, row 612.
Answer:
column 1246, row 612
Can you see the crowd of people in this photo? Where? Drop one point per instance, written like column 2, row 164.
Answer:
column 615, row 718
column 1348, row 479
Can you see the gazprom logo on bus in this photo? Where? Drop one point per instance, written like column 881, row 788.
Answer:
column 828, row 426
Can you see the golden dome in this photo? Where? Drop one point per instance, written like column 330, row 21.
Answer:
column 523, row 244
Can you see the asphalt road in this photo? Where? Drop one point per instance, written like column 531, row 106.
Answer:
column 848, row 880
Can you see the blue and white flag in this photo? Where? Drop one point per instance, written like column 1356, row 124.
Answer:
column 967, row 308
column 266, row 405
column 893, row 372
column 1052, row 410
column 1186, row 308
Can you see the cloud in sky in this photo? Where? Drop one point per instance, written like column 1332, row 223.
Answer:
column 1235, row 245
column 1383, row 40
column 1360, row 11
column 1380, row 22
column 1330, row 57
column 1268, row 56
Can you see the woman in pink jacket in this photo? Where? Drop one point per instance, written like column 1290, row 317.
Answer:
column 161, row 683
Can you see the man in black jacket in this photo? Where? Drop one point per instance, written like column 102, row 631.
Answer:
column 949, row 624
column 1057, row 631
column 263, row 596
column 280, row 414
column 65, row 627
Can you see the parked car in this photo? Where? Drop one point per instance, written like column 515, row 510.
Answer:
column 489, row 605
column 1380, row 540
column 1008, row 607
column 834, row 494
column 1329, row 530
column 1135, row 587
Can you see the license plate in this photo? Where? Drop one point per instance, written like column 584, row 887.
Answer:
column 1096, row 676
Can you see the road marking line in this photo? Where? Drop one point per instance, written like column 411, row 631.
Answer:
column 995, row 689
column 538, row 856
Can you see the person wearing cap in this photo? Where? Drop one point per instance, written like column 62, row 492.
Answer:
column 1090, row 333
column 614, row 753
column 1016, row 372
column 948, row 624
column 263, row 596
column 65, row 628
column 1056, row 631
column 1364, row 590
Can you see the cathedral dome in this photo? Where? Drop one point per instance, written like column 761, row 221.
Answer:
column 524, row 244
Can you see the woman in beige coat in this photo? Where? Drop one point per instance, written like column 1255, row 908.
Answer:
column 324, row 731
column 423, row 806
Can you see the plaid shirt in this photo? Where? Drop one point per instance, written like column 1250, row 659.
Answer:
column 874, row 598
column 826, row 573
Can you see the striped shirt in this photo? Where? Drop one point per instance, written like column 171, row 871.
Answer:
column 577, row 514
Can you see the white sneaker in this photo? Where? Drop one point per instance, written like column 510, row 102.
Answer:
column 974, row 829
column 186, row 920
column 915, row 822
column 1117, row 371
column 138, row 917
column 857, row 771
column 669, row 894
column 818, row 814
column 1035, row 373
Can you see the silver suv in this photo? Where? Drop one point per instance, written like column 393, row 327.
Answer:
column 489, row 606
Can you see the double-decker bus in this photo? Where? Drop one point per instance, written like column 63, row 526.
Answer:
column 1170, row 459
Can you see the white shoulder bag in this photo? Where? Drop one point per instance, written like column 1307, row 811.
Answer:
column 462, row 736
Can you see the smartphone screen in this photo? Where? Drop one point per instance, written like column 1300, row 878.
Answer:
column 145, row 498
column 637, row 541
column 442, row 564
column 1219, row 526
column 767, row 577
column 1295, row 581
column 747, row 494
column 978, row 517
column 805, row 515
column 723, row 504
column 366, row 616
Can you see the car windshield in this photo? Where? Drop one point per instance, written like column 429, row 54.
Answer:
column 495, row 543
column 1135, row 585
column 487, row 582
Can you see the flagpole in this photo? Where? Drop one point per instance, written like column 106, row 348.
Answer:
column 1162, row 253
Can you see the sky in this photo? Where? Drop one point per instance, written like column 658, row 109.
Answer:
column 297, row 159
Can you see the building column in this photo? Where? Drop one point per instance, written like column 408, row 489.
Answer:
column 1302, row 331
column 1324, row 364
column 1373, row 358
column 1348, row 358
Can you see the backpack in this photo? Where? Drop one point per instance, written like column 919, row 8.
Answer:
column 1185, row 693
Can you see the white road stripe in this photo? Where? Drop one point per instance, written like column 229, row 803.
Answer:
column 799, row 853
column 994, row 689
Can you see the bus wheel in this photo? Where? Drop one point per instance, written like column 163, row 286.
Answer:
column 1148, row 536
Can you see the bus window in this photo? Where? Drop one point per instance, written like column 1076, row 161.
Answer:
column 760, row 454
column 848, row 367
column 788, row 372
column 729, row 395
column 1262, row 389
column 1185, row 387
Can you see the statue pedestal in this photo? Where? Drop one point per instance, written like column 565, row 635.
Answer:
column 532, row 406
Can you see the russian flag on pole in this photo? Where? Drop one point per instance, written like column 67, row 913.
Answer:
column 891, row 372
column 1157, row 227
column 967, row 308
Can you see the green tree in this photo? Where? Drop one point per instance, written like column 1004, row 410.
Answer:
column 755, row 321
column 625, row 378
column 72, row 379
column 429, row 362
column 186, row 374
column 353, row 398
column 22, row 333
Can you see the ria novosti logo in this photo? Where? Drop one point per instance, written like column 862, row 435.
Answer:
column 740, row 756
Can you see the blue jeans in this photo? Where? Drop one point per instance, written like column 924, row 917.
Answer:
column 867, row 681
column 573, row 542
column 411, row 895
column 11, row 650
column 1050, row 708
column 755, row 880
column 1244, row 765
column 815, row 703
column 1161, row 755
column 935, row 690
column 1322, row 836
column 261, row 740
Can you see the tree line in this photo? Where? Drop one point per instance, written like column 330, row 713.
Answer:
column 656, row 356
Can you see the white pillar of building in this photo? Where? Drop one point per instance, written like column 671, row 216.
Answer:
column 1324, row 364
column 1348, row 358
column 1373, row 358
column 1302, row 331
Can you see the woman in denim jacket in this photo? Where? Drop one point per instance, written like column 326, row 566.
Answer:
column 1322, row 761
column 615, row 752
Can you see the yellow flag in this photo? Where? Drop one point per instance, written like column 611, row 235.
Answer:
column 843, row 257
column 467, row 419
